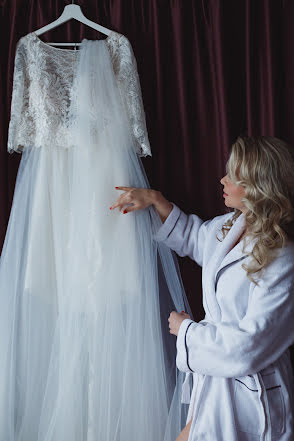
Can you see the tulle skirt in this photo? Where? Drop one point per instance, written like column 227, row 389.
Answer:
column 85, row 294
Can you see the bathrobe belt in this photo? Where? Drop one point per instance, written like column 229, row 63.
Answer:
column 266, row 434
column 186, row 389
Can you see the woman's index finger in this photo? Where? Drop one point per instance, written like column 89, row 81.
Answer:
column 123, row 188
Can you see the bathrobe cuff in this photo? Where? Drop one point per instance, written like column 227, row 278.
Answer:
column 182, row 359
column 166, row 228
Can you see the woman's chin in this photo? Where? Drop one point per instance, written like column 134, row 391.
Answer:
column 227, row 203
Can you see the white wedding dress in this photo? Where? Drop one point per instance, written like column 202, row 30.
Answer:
column 85, row 292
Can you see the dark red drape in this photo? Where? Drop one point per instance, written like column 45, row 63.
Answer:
column 209, row 69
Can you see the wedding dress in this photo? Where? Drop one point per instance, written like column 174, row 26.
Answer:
column 85, row 292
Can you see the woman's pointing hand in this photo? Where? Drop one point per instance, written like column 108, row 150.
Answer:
column 140, row 198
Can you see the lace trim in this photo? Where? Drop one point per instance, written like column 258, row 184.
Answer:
column 125, row 67
column 40, row 120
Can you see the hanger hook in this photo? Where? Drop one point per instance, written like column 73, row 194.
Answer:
column 72, row 2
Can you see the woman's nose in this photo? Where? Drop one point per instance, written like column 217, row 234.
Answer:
column 222, row 181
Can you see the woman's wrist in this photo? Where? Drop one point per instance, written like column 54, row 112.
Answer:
column 162, row 205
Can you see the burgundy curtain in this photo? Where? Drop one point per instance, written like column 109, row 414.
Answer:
column 209, row 69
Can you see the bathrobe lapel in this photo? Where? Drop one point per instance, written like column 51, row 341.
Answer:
column 222, row 256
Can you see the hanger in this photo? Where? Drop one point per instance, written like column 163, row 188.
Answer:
column 69, row 12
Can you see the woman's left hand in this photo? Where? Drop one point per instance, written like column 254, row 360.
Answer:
column 175, row 320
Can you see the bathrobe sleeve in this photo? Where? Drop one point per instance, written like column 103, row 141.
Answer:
column 228, row 349
column 184, row 233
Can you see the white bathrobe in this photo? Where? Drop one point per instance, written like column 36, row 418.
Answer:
column 238, row 354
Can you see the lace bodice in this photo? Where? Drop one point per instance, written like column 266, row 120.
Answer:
column 42, row 92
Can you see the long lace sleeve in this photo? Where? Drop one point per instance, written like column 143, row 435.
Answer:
column 129, row 83
column 17, row 100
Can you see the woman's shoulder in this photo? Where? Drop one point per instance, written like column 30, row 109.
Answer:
column 286, row 252
column 279, row 273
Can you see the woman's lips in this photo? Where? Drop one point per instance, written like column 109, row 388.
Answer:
column 225, row 194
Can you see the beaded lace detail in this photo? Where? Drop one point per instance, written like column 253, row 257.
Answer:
column 43, row 89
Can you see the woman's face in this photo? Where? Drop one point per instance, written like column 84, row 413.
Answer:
column 234, row 194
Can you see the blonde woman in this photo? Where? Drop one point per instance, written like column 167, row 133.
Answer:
column 238, row 355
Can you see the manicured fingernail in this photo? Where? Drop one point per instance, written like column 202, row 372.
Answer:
column 110, row 208
column 115, row 187
column 125, row 211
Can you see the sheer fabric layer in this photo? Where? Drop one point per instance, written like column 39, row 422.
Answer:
column 85, row 292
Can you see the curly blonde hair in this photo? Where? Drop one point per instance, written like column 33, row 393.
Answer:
column 264, row 166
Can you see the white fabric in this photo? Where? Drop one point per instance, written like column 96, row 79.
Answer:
column 42, row 120
column 238, row 354
column 85, row 292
